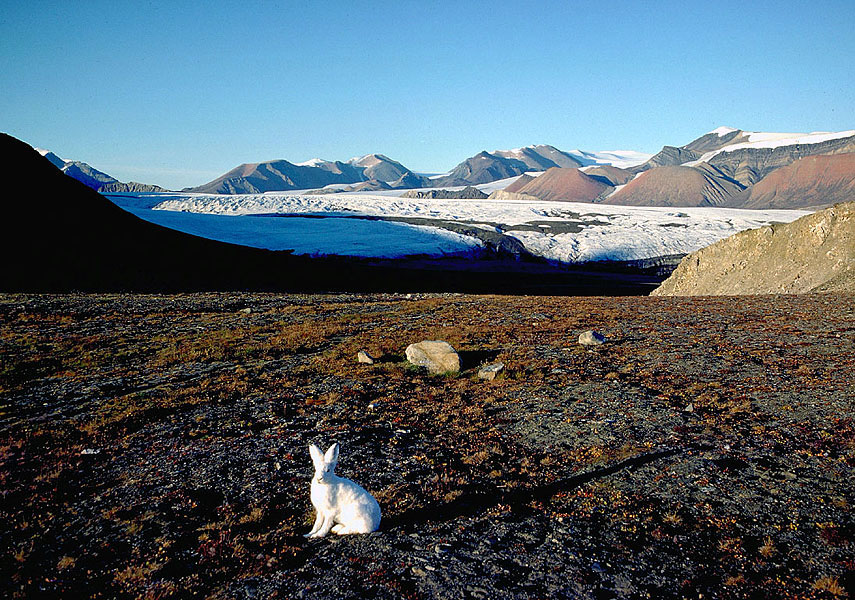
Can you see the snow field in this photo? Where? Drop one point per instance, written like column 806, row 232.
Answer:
column 608, row 232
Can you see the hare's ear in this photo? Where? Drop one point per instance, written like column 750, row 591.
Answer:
column 317, row 457
column 331, row 457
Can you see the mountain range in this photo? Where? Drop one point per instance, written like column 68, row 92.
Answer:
column 724, row 167
column 379, row 172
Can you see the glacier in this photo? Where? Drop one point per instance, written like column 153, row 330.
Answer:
column 564, row 232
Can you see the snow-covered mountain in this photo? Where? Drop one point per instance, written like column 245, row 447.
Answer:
column 540, row 157
column 380, row 167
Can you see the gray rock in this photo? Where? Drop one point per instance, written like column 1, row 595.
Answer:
column 436, row 356
column 467, row 193
column 489, row 372
column 592, row 338
column 365, row 358
column 129, row 187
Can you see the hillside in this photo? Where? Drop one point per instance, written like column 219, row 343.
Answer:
column 613, row 176
column 566, row 185
column 379, row 167
column 133, row 187
column 812, row 181
column 517, row 185
column 67, row 236
column 668, row 156
column 484, row 167
column 156, row 446
column 815, row 253
column 540, row 157
column 677, row 186
column 750, row 162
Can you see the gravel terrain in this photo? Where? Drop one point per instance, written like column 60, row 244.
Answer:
column 156, row 446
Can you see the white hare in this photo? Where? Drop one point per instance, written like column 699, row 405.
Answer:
column 342, row 506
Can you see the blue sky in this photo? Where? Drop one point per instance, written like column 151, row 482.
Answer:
column 176, row 93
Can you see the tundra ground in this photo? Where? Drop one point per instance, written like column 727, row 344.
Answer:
column 156, row 446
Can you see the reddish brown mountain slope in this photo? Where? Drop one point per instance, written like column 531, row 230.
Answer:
column 810, row 181
column 569, row 185
column 520, row 183
column 677, row 186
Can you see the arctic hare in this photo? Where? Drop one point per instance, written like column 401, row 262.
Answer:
column 342, row 506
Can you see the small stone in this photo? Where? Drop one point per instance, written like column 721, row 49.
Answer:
column 246, row 311
column 689, row 408
column 442, row 548
column 437, row 356
column 592, row 338
column 489, row 372
column 418, row 571
column 365, row 358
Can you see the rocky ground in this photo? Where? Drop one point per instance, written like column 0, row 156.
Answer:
column 156, row 446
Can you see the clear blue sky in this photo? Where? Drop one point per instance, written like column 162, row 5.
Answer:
column 176, row 93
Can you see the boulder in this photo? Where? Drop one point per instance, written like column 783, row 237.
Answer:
column 592, row 338
column 365, row 358
column 489, row 372
column 436, row 356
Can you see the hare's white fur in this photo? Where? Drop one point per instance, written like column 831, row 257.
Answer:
column 342, row 506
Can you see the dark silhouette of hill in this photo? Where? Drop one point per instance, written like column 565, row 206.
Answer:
column 58, row 234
